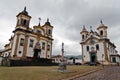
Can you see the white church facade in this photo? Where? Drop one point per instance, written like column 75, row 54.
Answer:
column 30, row 42
column 97, row 48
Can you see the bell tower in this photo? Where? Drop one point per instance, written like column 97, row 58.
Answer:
column 102, row 30
column 48, row 28
column 84, row 33
column 23, row 19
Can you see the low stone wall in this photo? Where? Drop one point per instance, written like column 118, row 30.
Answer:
column 31, row 62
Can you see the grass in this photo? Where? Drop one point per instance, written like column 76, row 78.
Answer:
column 41, row 72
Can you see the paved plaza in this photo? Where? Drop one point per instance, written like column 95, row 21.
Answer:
column 108, row 73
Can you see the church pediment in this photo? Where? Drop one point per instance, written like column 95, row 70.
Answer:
column 92, row 40
column 38, row 29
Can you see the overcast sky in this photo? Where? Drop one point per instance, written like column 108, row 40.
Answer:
column 67, row 17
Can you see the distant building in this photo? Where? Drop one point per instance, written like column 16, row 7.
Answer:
column 28, row 42
column 1, row 56
column 0, row 53
column 74, row 60
column 96, row 47
column 58, row 59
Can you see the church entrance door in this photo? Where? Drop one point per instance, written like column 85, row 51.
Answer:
column 114, row 60
column 93, row 58
column 37, row 50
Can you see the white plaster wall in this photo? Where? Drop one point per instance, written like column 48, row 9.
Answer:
column 13, row 46
column 111, row 49
column 43, row 52
column 78, row 60
column 0, row 60
column 117, row 59
column 49, row 51
column 86, row 54
column 108, row 51
column 100, row 52
column 30, row 51
column 20, row 48
column 24, row 17
column 45, row 29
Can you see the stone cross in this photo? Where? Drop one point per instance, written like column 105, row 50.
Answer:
column 39, row 21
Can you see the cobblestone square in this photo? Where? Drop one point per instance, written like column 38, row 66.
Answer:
column 108, row 73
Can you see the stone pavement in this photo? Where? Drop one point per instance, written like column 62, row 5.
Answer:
column 108, row 73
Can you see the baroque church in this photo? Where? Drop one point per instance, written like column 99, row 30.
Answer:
column 30, row 42
column 96, row 47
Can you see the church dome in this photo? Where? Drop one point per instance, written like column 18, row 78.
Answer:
column 83, row 30
column 47, row 23
column 24, row 11
column 101, row 25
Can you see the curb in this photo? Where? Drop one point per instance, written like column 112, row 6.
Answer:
column 80, row 75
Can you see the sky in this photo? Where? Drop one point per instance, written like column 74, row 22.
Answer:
column 67, row 17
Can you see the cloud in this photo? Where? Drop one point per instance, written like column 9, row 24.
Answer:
column 67, row 17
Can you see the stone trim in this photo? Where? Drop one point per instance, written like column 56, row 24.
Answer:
column 25, row 46
column 46, row 49
column 16, row 46
column 82, row 55
column 105, row 51
column 51, row 51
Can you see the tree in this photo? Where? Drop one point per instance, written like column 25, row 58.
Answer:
column 73, row 58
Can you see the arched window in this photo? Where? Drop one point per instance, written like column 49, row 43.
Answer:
column 97, row 47
column 48, row 47
column 43, row 45
column 24, row 22
column 101, row 32
column 87, row 48
column 38, row 31
column 21, row 42
column 31, row 43
column 49, row 32
column 83, row 36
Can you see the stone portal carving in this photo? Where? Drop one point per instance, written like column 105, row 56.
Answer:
column 37, row 50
